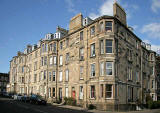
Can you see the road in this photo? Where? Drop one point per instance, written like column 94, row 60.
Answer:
column 12, row 106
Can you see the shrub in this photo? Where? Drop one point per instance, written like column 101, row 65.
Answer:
column 153, row 104
column 70, row 101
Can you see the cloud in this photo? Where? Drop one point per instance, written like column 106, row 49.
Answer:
column 135, row 27
column 153, row 46
column 105, row 9
column 71, row 6
column 155, row 5
column 152, row 29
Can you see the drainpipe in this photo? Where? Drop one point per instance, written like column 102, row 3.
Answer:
column 56, row 70
column 86, row 71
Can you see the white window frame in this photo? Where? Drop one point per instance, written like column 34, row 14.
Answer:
column 101, row 68
column 54, row 75
column 93, row 50
column 60, row 76
column 55, row 60
column 81, row 92
column 109, row 68
column 93, row 70
column 51, row 60
column 66, row 75
column 60, row 60
column 109, row 91
column 66, row 92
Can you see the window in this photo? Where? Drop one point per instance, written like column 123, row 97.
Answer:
column 54, row 47
column 108, row 46
column 130, row 94
column 152, row 57
column 51, row 60
column 152, row 84
column 67, row 74
column 153, row 97
column 43, row 50
column 41, row 61
column 61, row 45
column 55, row 60
column 101, row 90
column 92, row 70
column 101, row 27
column 81, row 54
column 92, row 30
column 66, row 90
column 54, row 75
column 50, row 47
column 67, row 42
column 61, row 60
column 35, row 77
column 49, row 92
column 53, row 92
column 108, row 26
column 129, row 73
column 109, row 68
column 137, row 76
column 81, row 92
column 81, row 72
column 137, row 59
column 81, row 35
column 92, row 92
column 41, row 75
column 44, row 74
column 22, row 69
column 152, row 70
column 45, row 60
column 67, row 57
column 46, row 47
column 36, row 54
column 129, row 54
column 101, row 68
column 101, row 47
column 35, row 66
column 93, row 50
column 108, row 93
column 60, row 76
column 49, row 76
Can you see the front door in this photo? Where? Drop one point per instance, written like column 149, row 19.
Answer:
column 60, row 94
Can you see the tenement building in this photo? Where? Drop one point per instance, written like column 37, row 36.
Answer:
column 100, row 62
column 4, row 80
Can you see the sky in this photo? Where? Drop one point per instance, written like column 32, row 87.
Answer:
column 25, row 22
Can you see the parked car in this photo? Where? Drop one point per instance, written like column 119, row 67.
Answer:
column 37, row 99
column 5, row 94
column 17, row 97
column 25, row 98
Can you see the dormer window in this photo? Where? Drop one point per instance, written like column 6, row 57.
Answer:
column 92, row 30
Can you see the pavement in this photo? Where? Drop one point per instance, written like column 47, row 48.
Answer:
column 12, row 106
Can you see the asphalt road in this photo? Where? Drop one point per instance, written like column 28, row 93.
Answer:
column 12, row 106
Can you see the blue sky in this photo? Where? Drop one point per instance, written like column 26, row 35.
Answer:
column 24, row 22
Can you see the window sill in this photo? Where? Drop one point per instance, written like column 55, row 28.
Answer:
column 109, row 98
column 81, row 59
column 81, row 79
column 93, row 56
column 92, row 98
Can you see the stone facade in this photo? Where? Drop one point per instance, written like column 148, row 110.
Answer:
column 4, row 80
column 102, row 63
